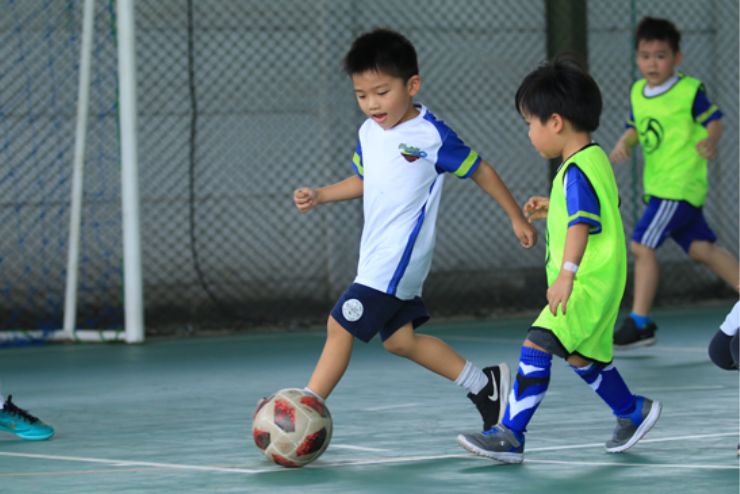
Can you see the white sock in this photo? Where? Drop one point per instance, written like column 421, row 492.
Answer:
column 313, row 393
column 472, row 378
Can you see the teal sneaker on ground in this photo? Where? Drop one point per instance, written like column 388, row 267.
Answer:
column 498, row 443
column 21, row 423
column 633, row 427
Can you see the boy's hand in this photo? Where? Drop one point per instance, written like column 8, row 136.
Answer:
column 559, row 292
column 536, row 208
column 525, row 232
column 305, row 199
column 707, row 149
column 621, row 152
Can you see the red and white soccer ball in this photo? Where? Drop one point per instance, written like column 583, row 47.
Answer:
column 291, row 428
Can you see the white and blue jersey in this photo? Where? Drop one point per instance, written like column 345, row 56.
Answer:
column 403, row 171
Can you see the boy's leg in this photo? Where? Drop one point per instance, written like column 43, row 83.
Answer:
column 637, row 329
column 505, row 442
column 717, row 259
column 661, row 218
column 636, row 415
column 333, row 361
column 647, row 274
column 425, row 350
column 488, row 389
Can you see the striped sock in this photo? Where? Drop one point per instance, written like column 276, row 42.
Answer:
column 530, row 385
column 609, row 385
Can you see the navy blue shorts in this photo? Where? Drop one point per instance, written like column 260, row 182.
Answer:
column 680, row 220
column 365, row 312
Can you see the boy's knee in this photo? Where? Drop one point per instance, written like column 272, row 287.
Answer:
column 398, row 346
column 577, row 361
column 700, row 251
column 639, row 250
column 721, row 352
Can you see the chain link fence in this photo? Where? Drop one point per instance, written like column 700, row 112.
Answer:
column 240, row 102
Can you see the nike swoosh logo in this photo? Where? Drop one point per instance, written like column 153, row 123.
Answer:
column 494, row 396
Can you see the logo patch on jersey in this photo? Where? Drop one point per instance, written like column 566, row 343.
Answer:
column 352, row 310
column 410, row 153
column 651, row 134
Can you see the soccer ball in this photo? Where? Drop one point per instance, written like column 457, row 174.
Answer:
column 292, row 427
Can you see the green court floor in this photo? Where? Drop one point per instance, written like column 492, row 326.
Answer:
column 174, row 416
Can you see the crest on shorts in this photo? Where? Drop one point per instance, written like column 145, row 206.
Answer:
column 352, row 310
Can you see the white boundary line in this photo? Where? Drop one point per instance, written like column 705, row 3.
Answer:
column 651, row 465
column 391, row 460
column 391, row 407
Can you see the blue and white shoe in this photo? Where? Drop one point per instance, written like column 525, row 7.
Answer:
column 21, row 423
column 499, row 443
column 633, row 427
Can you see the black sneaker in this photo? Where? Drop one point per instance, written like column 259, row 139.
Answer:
column 629, row 336
column 491, row 400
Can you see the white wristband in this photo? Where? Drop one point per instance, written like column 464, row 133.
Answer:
column 570, row 266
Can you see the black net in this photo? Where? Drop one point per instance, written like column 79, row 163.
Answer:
column 242, row 101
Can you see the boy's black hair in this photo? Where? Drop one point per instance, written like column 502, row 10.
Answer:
column 652, row 28
column 564, row 88
column 382, row 50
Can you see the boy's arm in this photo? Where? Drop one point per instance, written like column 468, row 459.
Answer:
column 708, row 147
column 488, row 180
column 575, row 245
column 307, row 198
column 623, row 148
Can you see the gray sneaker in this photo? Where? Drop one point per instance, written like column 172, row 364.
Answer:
column 631, row 429
column 499, row 444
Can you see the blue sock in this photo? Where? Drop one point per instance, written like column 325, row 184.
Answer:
column 609, row 385
column 530, row 385
column 640, row 321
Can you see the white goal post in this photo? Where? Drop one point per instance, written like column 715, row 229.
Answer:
column 133, row 297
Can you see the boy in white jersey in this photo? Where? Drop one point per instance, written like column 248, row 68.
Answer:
column 678, row 129
column 399, row 163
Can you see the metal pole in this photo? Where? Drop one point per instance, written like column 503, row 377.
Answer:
column 567, row 33
column 133, row 293
column 75, row 214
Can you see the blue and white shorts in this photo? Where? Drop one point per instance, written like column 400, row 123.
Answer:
column 365, row 312
column 680, row 220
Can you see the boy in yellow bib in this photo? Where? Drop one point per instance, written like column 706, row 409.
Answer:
column 678, row 129
column 586, row 267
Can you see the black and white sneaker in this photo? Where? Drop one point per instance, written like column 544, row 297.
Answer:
column 629, row 336
column 491, row 400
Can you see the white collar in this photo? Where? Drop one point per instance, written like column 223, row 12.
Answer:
column 655, row 91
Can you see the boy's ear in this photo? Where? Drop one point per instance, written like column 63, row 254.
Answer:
column 677, row 59
column 557, row 122
column 413, row 85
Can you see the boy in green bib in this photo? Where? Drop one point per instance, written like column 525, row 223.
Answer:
column 586, row 267
column 678, row 129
